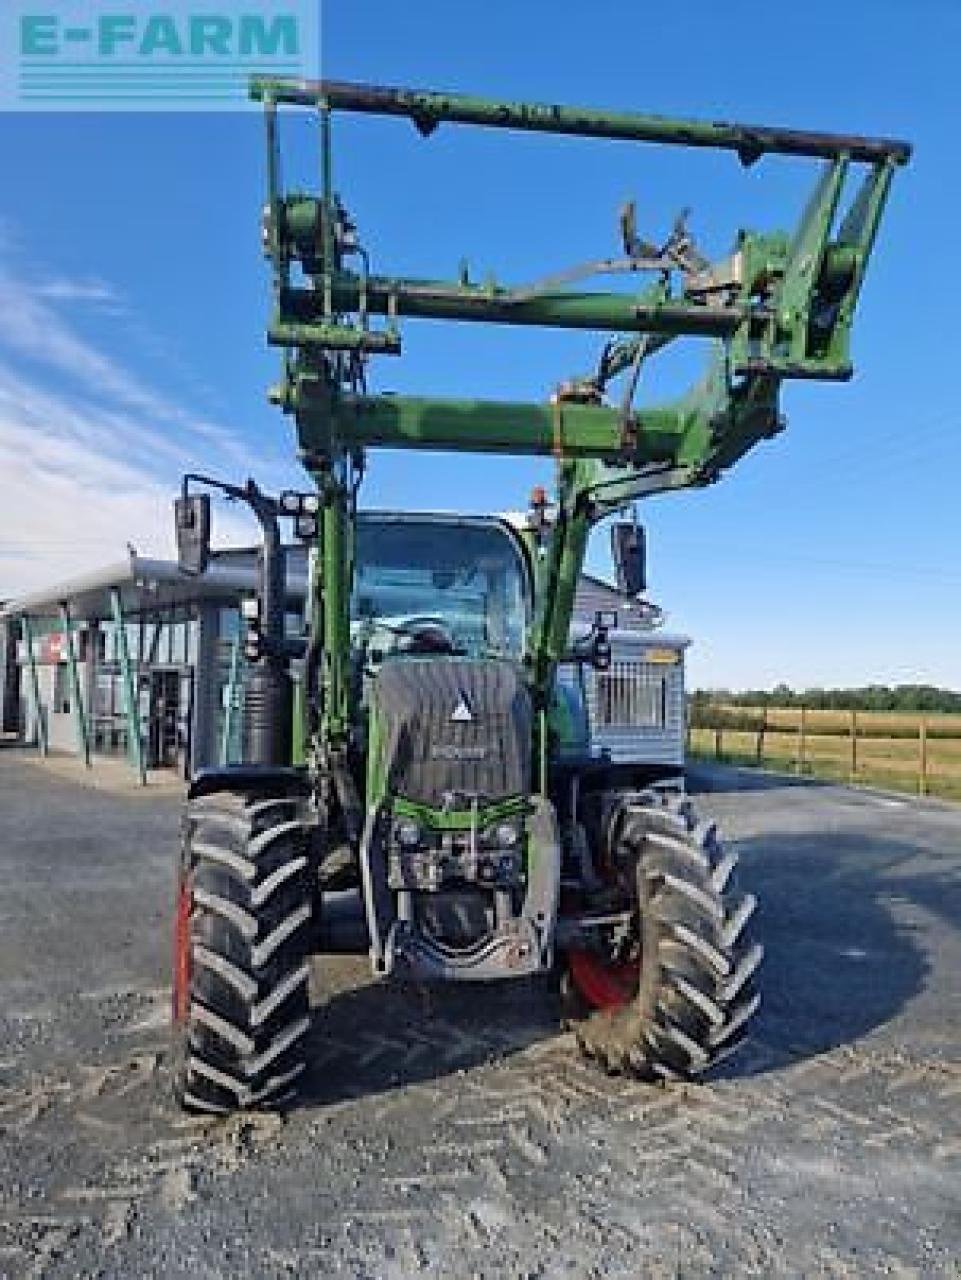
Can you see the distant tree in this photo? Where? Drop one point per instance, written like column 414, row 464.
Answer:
column 874, row 697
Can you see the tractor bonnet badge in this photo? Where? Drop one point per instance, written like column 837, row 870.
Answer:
column 462, row 713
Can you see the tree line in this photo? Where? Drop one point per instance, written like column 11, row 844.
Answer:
column 872, row 697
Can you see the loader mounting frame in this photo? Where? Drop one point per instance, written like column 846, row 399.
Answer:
column 779, row 307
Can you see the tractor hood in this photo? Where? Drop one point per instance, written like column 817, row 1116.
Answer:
column 451, row 729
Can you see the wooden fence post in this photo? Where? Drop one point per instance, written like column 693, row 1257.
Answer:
column 717, row 744
column 854, row 745
column 923, row 756
column 760, row 736
column 801, row 743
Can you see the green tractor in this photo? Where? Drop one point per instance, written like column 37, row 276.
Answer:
column 414, row 752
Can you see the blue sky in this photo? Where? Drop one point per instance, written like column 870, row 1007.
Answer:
column 133, row 300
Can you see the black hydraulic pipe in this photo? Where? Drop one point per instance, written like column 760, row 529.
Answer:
column 273, row 578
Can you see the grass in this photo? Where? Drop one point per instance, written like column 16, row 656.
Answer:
column 891, row 761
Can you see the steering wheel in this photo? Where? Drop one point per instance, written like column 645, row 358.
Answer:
column 427, row 633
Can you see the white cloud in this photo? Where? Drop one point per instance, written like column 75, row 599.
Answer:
column 91, row 454
column 31, row 327
column 94, row 292
column 69, row 507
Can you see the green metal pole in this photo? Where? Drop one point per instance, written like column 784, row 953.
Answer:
column 439, row 300
column 298, row 736
column 564, row 561
column 79, row 715
column 130, row 707
column 335, row 562
column 39, row 722
column 273, row 182
column 230, row 697
column 565, row 430
column 427, row 110
column 327, row 191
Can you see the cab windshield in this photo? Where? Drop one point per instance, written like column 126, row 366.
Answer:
column 464, row 580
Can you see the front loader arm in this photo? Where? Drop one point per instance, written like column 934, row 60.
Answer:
column 701, row 435
column 723, row 417
column 780, row 306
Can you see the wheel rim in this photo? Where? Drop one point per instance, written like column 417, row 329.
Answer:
column 181, row 957
column 603, row 984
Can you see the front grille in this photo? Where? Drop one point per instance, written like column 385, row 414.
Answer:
column 631, row 694
column 429, row 754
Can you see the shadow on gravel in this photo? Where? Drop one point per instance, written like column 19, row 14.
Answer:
column 838, row 966
column 705, row 777
column 837, row 963
column 386, row 1035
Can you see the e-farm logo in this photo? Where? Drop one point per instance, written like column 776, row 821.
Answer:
column 179, row 54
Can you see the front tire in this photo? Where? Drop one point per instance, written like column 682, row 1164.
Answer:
column 674, row 996
column 241, row 955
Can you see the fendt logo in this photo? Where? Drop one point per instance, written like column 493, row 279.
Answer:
column 95, row 55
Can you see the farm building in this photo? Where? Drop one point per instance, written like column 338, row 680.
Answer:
column 138, row 661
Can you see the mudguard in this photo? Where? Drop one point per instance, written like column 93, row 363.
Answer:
column 282, row 780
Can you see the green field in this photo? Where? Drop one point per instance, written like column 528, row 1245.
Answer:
column 885, row 749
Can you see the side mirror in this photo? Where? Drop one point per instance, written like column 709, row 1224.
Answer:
column 629, row 551
column 192, row 518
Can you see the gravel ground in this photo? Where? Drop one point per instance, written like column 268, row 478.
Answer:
column 457, row 1134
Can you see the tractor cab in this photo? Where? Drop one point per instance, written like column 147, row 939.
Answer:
column 437, row 585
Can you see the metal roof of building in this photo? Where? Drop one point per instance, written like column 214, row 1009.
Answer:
column 146, row 586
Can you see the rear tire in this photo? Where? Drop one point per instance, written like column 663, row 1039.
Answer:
column 241, row 951
column 678, row 996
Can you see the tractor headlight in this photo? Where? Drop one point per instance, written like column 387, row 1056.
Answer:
column 408, row 833
column 507, row 835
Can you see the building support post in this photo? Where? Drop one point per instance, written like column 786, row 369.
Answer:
column 230, row 696
column 40, row 725
column 207, row 709
column 79, row 714
column 130, row 706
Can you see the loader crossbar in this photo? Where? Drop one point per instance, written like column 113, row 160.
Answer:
column 428, row 109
